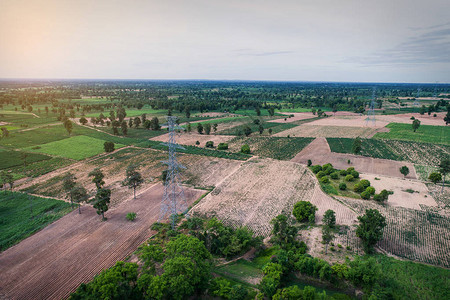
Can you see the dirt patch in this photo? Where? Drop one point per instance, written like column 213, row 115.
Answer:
column 192, row 138
column 296, row 117
column 261, row 189
column 312, row 130
column 350, row 121
column 406, row 118
column 55, row 261
column 407, row 193
column 318, row 151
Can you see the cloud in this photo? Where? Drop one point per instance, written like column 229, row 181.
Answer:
column 251, row 52
column 432, row 46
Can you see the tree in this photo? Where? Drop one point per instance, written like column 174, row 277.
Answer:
column 188, row 127
column 200, row 128
column 357, row 145
column 329, row 218
column 435, row 177
column 370, row 229
column 304, row 211
column 447, row 118
column 207, row 128
column 283, row 233
column 215, row 127
column 68, row 125
column 143, row 118
column 187, row 109
column 261, row 129
column 124, row 128
column 98, row 176
column 101, row 201
column 108, row 146
column 7, row 178
column 415, row 124
column 404, row 170
column 68, row 184
column 271, row 111
column 83, row 120
column 245, row 149
column 247, row 130
column 5, row 132
column 137, row 122
column 444, row 168
column 258, row 111
column 154, row 124
column 78, row 194
column 133, row 178
column 422, row 110
column 327, row 236
column 130, row 122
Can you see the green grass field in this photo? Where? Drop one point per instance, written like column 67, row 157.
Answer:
column 22, row 215
column 425, row 133
column 10, row 158
column 77, row 147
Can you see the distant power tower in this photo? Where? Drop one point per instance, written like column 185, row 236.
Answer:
column 173, row 201
column 371, row 112
column 417, row 102
column 435, row 90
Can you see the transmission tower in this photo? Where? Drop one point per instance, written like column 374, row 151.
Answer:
column 435, row 90
column 371, row 112
column 417, row 102
column 173, row 201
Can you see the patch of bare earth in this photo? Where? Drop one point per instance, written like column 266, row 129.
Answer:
column 407, row 193
column 55, row 261
column 296, row 117
column 425, row 119
column 192, row 138
column 319, row 152
column 261, row 189
column 350, row 121
column 313, row 130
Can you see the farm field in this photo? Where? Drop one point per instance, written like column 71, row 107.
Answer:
column 77, row 147
column 417, row 153
column 417, row 235
column 311, row 130
column 22, row 215
column 424, row 134
column 192, row 138
column 83, row 243
column 319, row 152
column 11, row 158
column 296, row 117
column 264, row 194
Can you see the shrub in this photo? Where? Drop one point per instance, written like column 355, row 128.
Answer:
column 320, row 174
column 131, row 216
column 303, row 210
column 365, row 195
column 365, row 183
column 328, row 165
column 342, row 186
column 209, row 144
column 358, row 187
column 222, row 146
column 108, row 146
column 343, row 172
column 245, row 149
column 354, row 174
column 316, row 169
column 324, row 179
column 334, row 175
column 349, row 170
column 309, row 163
column 349, row 178
column 197, row 143
column 377, row 197
column 371, row 190
column 382, row 196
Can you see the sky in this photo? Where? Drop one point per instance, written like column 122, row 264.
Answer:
column 316, row 40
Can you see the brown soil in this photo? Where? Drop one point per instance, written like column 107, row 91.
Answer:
column 350, row 121
column 55, row 261
column 191, row 138
column 311, row 130
column 261, row 189
column 406, row 118
column 296, row 117
column 318, row 151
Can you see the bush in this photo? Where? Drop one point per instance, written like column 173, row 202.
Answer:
column 365, row 195
column 316, row 169
column 365, row 183
column 309, row 163
column 343, row 172
column 354, row 174
column 303, row 210
column 209, row 144
column 131, row 216
column 349, row 177
column 245, row 149
column 358, row 187
column 377, row 197
column 328, row 165
column 371, row 190
column 222, row 146
column 108, row 146
column 382, row 196
column 320, row 174
column 324, row 179
column 197, row 143
column 349, row 170
column 342, row 186
column 334, row 175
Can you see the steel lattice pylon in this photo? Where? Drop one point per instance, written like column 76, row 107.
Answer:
column 173, row 201
column 416, row 101
column 371, row 112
